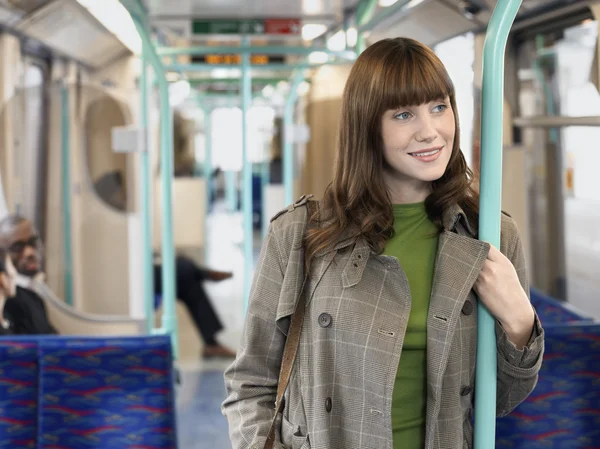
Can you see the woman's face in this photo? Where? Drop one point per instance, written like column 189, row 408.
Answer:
column 417, row 145
column 8, row 280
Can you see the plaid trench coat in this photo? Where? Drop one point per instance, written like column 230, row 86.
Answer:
column 340, row 393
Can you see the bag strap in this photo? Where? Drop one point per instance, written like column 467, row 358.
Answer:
column 292, row 342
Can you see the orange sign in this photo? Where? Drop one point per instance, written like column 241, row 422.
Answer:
column 235, row 59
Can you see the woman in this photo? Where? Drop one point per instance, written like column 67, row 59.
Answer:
column 8, row 286
column 388, row 344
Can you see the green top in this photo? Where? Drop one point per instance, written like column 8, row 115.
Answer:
column 415, row 245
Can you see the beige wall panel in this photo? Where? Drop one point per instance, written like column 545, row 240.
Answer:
column 322, row 116
column 514, row 193
column 323, row 119
column 10, row 54
column 189, row 210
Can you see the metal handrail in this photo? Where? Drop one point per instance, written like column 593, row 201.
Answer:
column 490, row 204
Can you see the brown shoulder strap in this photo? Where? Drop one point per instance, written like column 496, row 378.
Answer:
column 292, row 342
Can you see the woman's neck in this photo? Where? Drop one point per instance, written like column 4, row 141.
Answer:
column 408, row 192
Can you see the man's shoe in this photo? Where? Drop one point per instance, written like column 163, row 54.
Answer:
column 219, row 275
column 218, row 351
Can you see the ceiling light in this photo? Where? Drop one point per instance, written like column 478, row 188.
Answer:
column 268, row 91
column 116, row 19
column 337, row 42
column 172, row 76
column 311, row 31
column 386, row 3
column 303, row 88
column 318, row 57
column 179, row 92
column 351, row 37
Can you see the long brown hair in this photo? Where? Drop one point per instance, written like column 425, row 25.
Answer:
column 391, row 73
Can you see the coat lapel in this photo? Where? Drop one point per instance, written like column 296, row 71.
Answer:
column 459, row 261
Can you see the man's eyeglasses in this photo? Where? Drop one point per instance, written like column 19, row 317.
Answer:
column 19, row 246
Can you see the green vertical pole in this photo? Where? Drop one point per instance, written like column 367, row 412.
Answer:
column 208, row 153
column 145, row 191
column 288, row 147
column 230, row 190
column 246, row 90
column 169, row 319
column 66, row 192
column 364, row 12
column 207, row 167
column 265, row 180
column 490, row 203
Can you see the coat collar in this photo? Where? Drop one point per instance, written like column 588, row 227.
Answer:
column 453, row 218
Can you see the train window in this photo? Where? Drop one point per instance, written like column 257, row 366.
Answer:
column 458, row 55
column 107, row 170
column 577, row 96
column 227, row 136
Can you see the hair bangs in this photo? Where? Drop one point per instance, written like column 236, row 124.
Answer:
column 413, row 78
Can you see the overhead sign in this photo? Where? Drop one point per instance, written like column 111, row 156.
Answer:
column 246, row 26
column 282, row 26
column 236, row 59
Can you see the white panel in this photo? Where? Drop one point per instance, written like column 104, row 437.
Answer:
column 127, row 139
column 429, row 23
column 68, row 28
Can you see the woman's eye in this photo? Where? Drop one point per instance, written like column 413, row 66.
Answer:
column 402, row 116
column 440, row 108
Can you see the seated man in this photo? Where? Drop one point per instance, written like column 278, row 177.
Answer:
column 25, row 310
column 190, row 291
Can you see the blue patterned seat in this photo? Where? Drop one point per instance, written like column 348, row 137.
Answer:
column 89, row 392
column 564, row 409
column 552, row 311
column 18, row 393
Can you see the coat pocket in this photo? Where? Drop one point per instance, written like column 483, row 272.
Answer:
column 292, row 436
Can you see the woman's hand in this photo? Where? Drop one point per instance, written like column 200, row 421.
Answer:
column 499, row 288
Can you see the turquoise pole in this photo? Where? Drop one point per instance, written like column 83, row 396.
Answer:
column 169, row 319
column 231, row 190
column 246, row 90
column 372, row 20
column 364, row 13
column 66, row 192
column 490, row 203
column 265, row 180
column 207, row 167
column 145, row 192
column 288, row 147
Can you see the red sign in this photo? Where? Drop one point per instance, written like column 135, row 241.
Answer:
column 282, row 26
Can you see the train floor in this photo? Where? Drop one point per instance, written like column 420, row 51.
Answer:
column 201, row 392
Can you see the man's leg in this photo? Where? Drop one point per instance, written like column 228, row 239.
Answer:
column 191, row 292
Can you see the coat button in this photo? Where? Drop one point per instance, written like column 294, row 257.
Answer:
column 324, row 320
column 328, row 405
column 466, row 390
column 467, row 308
